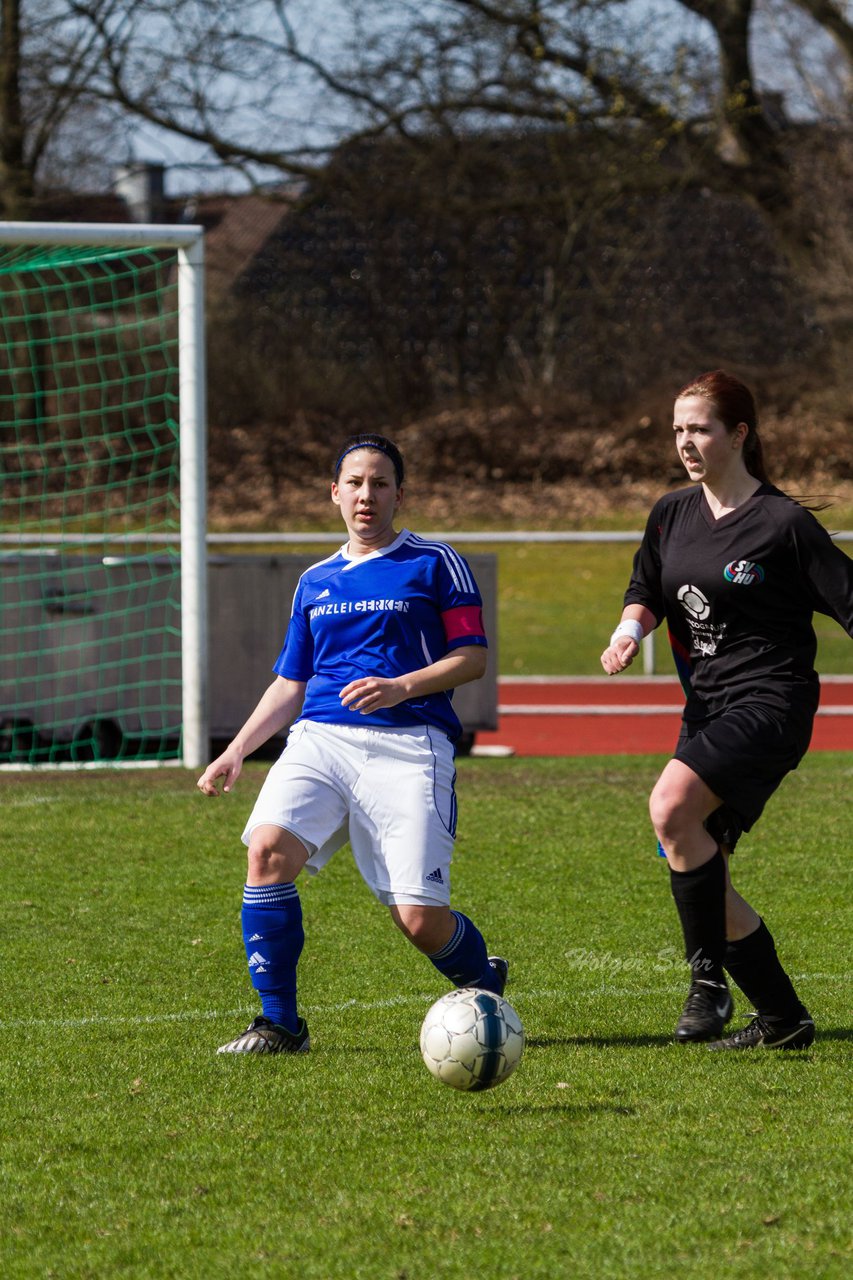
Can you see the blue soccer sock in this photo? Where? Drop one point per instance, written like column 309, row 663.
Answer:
column 464, row 959
column 273, row 937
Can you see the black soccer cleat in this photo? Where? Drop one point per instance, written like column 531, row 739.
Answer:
column 501, row 968
column 265, row 1036
column 706, row 1011
column 766, row 1033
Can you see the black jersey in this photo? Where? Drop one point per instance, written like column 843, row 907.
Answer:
column 739, row 594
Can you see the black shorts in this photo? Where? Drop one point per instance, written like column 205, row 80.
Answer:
column 743, row 754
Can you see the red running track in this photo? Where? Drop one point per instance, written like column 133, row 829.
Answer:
column 634, row 715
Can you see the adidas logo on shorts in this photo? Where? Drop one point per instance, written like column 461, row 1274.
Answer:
column 436, row 877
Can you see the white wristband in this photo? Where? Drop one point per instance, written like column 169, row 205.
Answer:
column 630, row 627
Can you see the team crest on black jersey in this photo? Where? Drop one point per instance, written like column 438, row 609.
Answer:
column 743, row 573
column 693, row 602
column 706, row 635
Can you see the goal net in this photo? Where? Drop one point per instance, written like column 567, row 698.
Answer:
column 102, row 523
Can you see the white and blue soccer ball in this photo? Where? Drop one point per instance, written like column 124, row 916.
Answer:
column 472, row 1039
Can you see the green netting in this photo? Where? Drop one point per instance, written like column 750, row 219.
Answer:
column 90, row 646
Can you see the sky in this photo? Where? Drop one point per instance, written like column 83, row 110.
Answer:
column 314, row 117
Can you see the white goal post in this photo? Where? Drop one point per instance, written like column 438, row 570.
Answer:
column 188, row 242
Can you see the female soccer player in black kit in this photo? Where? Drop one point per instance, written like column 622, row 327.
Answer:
column 737, row 568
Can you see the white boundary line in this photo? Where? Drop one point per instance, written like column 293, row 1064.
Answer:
column 76, row 766
column 620, row 709
column 585, row 709
column 424, row 999
column 636, row 681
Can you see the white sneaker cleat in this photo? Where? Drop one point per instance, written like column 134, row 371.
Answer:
column 265, row 1036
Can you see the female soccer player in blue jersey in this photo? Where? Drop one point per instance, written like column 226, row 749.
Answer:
column 737, row 569
column 380, row 634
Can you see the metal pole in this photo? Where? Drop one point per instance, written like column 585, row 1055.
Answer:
column 648, row 647
column 193, row 456
column 140, row 235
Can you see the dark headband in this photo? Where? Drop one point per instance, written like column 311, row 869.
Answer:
column 380, row 448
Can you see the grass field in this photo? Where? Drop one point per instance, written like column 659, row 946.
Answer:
column 131, row 1150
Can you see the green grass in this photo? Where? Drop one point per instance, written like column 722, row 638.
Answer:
column 131, row 1150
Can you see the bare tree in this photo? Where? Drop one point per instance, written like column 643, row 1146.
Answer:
column 50, row 122
column 268, row 87
column 682, row 83
column 15, row 174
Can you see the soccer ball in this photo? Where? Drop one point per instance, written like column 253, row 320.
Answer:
column 471, row 1039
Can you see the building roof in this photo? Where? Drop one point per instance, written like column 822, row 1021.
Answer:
column 77, row 206
column 237, row 228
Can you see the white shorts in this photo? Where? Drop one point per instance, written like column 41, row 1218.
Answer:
column 390, row 792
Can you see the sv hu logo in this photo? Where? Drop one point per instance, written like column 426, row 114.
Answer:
column 743, row 573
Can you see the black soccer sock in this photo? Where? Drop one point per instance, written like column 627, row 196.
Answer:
column 755, row 967
column 700, row 899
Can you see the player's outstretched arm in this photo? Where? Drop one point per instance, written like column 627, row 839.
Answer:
column 278, row 707
column 637, row 621
column 460, row 666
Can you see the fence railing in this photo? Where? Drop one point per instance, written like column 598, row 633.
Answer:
column 633, row 536
column 235, row 539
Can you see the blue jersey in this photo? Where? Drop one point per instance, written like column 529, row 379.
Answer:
column 386, row 614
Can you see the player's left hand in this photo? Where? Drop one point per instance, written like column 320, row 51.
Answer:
column 369, row 693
